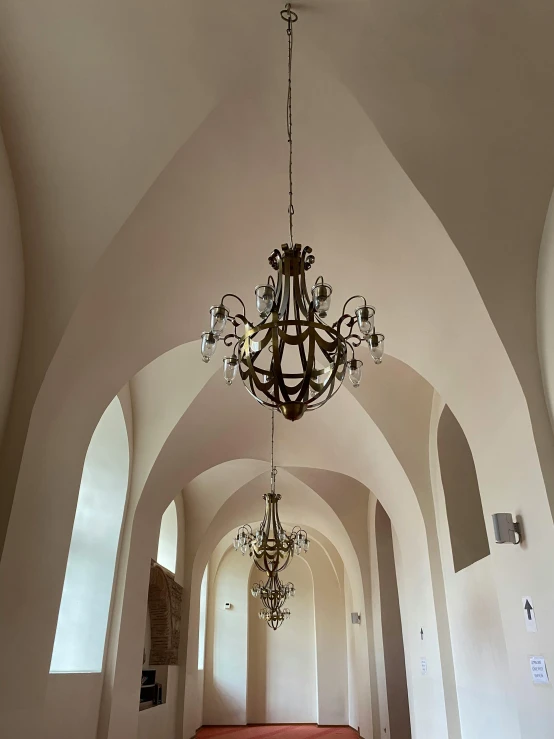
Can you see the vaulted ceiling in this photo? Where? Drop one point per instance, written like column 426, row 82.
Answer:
column 143, row 174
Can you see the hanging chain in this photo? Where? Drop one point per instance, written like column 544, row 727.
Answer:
column 290, row 17
column 273, row 470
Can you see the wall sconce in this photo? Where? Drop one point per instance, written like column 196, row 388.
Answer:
column 506, row 530
column 356, row 618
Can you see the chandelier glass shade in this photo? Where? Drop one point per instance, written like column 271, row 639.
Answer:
column 290, row 358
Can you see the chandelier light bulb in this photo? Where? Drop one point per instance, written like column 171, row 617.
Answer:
column 321, row 298
column 230, row 368
column 208, row 345
column 365, row 315
column 355, row 371
column 265, row 298
column 377, row 347
column 218, row 319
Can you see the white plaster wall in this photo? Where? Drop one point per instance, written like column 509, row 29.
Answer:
column 72, row 704
column 158, row 722
column 306, row 657
column 350, row 652
column 282, row 682
column 227, row 643
column 153, row 723
column 545, row 308
column 330, row 632
column 377, row 629
column 479, row 650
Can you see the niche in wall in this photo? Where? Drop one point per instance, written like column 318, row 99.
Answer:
column 464, row 510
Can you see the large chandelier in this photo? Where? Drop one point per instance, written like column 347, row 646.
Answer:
column 271, row 548
column 289, row 358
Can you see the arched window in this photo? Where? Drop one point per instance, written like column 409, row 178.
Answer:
column 202, row 619
column 468, row 534
column 87, row 590
column 167, row 543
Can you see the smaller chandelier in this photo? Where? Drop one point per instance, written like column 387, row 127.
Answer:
column 273, row 595
column 271, row 548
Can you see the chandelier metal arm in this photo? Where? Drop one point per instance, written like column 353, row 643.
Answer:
column 232, row 295
column 354, row 297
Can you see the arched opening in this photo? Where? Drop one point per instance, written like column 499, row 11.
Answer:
column 296, row 674
column 167, row 543
column 468, row 534
column 87, row 591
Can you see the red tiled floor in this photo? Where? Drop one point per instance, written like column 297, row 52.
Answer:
column 282, row 731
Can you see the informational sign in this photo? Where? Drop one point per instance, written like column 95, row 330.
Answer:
column 529, row 613
column 423, row 666
column 538, row 670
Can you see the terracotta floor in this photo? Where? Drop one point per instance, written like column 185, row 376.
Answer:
column 290, row 731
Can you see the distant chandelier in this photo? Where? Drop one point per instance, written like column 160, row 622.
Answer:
column 271, row 549
column 273, row 595
column 292, row 360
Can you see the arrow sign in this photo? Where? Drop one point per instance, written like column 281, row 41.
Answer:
column 530, row 621
column 529, row 608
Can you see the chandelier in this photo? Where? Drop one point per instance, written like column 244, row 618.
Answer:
column 290, row 359
column 273, row 595
column 271, row 549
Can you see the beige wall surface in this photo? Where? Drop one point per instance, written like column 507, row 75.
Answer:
column 391, row 628
column 282, row 671
column 225, row 687
column 142, row 177
column 479, row 647
column 72, row 706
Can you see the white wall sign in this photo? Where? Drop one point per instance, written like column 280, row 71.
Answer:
column 423, row 666
column 529, row 613
column 538, row 670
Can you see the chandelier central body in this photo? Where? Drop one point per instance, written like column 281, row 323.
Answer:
column 271, row 546
column 291, row 360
